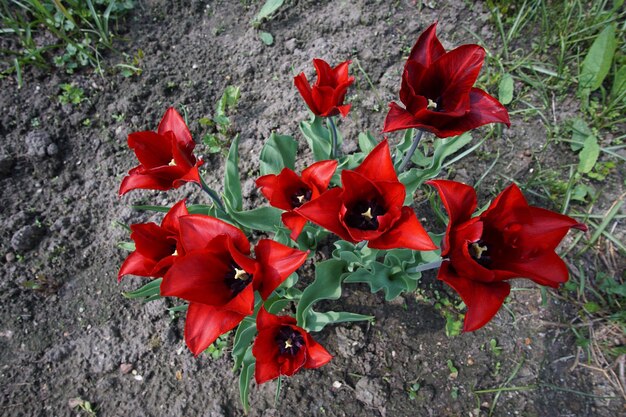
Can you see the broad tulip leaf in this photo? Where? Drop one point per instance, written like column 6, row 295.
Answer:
column 148, row 291
column 278, row 152
column 505, row 89
column 367, row 142
column 268, row 9
column 243, row 337
column 318, row 138
column 589, row 155
column 266, row 38
column 392, row 280
column 232, row 184
column 247, row 371
column 597, row 63
column 266, row 219
column 317, row 321
column 127, row 246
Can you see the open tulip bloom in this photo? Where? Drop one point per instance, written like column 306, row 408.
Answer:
column 166, row 158
column 437, row 90
column 208, row 260
column 508, row 240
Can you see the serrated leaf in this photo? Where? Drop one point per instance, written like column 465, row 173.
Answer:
column 383, row 277
column 268, row 8
column 505, row 89
column 149, row 290
column 278, row 152
column 597, row 63
column 266, row 38
column 589, row 155
column 232, row 184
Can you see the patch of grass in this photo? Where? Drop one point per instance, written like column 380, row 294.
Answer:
column 70, row 33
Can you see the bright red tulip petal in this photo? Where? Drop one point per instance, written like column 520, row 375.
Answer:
column 152, row 150
column 547, row 229
column 340, row 73
column 173, row 122
column 141, row 181
column 204, row 324
column 303, row 86
column 324, row 211
column 268, row 185
column 427, row 48
column 545, row 269
column 152, row 240
column 509, row 207
column 344, row 110
column 267, row 320
column 325, row 76
column 484, row 109
column 277, row 263
column 407, row 233
column 196, row 230
column 294, row 222
column 399, row 119
column 483, row 300
column 291, row 365
column 319, row 174
column 171, row 221
column 378, row 166
column 324, row 99
column 136, row 264
column 316, row 355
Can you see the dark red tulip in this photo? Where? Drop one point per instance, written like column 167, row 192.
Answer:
column 369, row 206
column 288, row 191
column 325, row 97
column 218, row 276
column 508, row 240
column 437, row 90
column 282, row 348
column 156, row 247
column 166, row 157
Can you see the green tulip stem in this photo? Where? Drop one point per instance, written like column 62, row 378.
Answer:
column 425, row 267
column 211, row 192
column 333, row 137
column 411, row 151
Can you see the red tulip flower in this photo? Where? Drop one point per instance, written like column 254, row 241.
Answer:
column 369, row 206
column 218, row 276
column 509, row 240
column 325, row 97
column 166, row 157
column 437, row 90
column 156, row 247
column 282, row 348
column 288, row 191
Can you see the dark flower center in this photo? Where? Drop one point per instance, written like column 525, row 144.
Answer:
column 237, row 279
column 289, row 341
column 364, row 215
column 479, row 251
column 301, row 196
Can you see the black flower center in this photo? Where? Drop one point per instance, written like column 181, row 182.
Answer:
column 364, row 215
column 479, row 251
column 237, row 279
column 301, row 196
column 289, row 341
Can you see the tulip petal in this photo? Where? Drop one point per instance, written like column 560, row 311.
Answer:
column 204, row 324
column 152, row 240
column 344, row 110
column 152, row 150
column 171, row 221
column 547, row 229
column 196, row 230
column 427, row 48
column 407, row 233
column 545, row 269
column 316, row 354
column 267, row 184
column 137, row 180
column 319, row 174
column 294, row 222
column 325, row 76
column 277, row 263
column 399, row 119
column 136, row 264
column 288, row 183
column 173, row 122
column 266, row 320
column 509, row 207
column 377, row 165
column 324, row 98
column 482, row 300
column 324, row 211
column 303, row 86
column 340, row 72
column 484, row 109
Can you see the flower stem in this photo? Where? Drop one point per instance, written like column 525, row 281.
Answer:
column 333, row 137
column 425, row 267
column 214, row 196
column 411, row 151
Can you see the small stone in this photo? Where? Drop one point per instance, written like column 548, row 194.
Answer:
column 27, row 238
column 52, row 149
column 126, row 368
column 337, row 385
column 10, row 257
column 37, row 142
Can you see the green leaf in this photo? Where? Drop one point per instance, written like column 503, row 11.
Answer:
column 232, row 184
column 158, row 209
column 243, row 337
column 266, row 219
column 367, row 142
column 618, row 91
column 597, row 63
column 317, row 321
column 318, row 138
column 505, row 89
column 589, row 155
column 247, row 371
column 268, row 8
column 378, row 276
column 266, row 38
column 580, row 132
column 127, row 246
column 229, row 100
column 278, row 152
column 149, row 290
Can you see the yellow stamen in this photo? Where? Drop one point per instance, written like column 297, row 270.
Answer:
column 368, row 214
column 431, row 105
column 175, row 252
column 240, row 274
column 288, row 343
column 478, row 250
column 172, row 163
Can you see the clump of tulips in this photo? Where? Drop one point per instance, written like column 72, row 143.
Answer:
column 203, row 255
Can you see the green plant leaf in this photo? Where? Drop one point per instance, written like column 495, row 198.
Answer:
column 597, row 63
column 229, row 100
column 367, row 142
column 232, row 184
column 242, row 340
column 127, row 246
column 318, row 138
column 618, row 91
column 505, row 89
column 278, row 152
column 379, row 276
column 589, row 155
column 247, row 371
column 151, row 289
column 266, row 219
column 266, row 38
column 268, row 9
column 317, row 321
column 580, row 132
